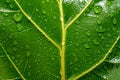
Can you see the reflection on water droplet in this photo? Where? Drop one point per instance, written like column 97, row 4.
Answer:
column 114, row 21
column 97, row 9
column 86, row 46
column 18, row 17
column 115, row 60
column 20, row 27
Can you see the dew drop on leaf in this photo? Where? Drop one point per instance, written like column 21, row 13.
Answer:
column 28, row 54
column 100, row 29
column 44, row 12
column 86, row 46
column 47, row 0
column 36, row 10
column 95, row 42
column 99, row 21
column 20, row 27
column 18, row 16
column 114, row 21
column 109, row 3
column 97, row 9
column 88, row 33
column 8, row 1
column 11, row 5
column 6, row 14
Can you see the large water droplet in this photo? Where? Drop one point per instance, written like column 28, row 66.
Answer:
column 20, row 27
column 114, row 21
column 97, row 9
column 18, row 16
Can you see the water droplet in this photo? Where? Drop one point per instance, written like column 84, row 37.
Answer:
column 109, row 3
column 99, row 21
column 18, row 17
column 36, row 9
column 8, row 1
column 47, row 0
column 95, row 42
column 97, row 9
column 44, row 12
column 114, row 21
column 28, row 54
column 109, row 35
column 86, row 46
column 77, row 44
column 20, row 27
column 15, row 42
column 88, row 33
column 100, row 29
column 11, row 5
column 55, row 17
column 6, row 14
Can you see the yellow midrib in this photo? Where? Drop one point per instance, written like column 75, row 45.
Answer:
column 64, row 29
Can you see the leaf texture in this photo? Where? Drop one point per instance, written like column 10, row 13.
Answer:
column 59, row 39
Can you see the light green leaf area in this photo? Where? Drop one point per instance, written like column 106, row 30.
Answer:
column 59, row 39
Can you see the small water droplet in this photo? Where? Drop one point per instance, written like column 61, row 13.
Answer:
column 18, row 16
column 28, row 54
column 44, row 12
column 100, row 29
column 114, row 21
column 55, row 17
column 15, row 42
column 36, row 10
column 47, row 0
column 86, row 46
column 6, row 14
column 11, row 5
column 109, row 35
column 99, row 21
column 95, row 42
column 20, row 27
column 97, row 9
column 88, row 34
column 109, row 3
column 8, row 1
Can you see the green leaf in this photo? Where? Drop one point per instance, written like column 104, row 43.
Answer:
column 57, row 39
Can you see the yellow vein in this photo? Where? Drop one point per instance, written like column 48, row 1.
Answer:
column 78, row 15
column 62, row 52
column 12, row 62
column 102, row 60
column 36, row 26
column 57, row 1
